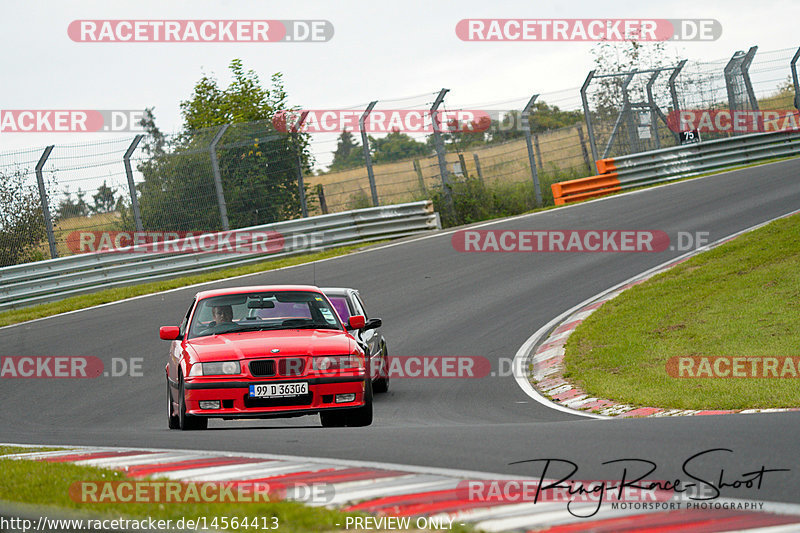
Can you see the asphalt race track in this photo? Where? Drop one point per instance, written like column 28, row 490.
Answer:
column 436, row 301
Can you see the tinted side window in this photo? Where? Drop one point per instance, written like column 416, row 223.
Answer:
column 185, row 322
column 358, row 308
column 340, row 304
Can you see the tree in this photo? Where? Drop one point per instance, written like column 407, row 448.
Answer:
column 348, row 154
column 67, row 208
column 396, row 146
column 463, row 136
column 625, row 56
column 545, row 117
column 104, row 200
column 258, row 164
column 508, row 128
column 244, row 100
column 22, row 227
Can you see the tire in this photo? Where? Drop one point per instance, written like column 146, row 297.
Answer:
column 332, row 419
column 173, row 421
column 356, row 417
column 381, row 385
column 361, row 416
column 188, row 422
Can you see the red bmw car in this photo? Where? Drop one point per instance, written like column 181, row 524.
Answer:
column 264, row 352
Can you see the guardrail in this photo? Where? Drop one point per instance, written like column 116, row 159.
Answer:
column 645, row 168
column 55, row 279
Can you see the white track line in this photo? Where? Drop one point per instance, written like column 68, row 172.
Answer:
column 394, row 487
column 135, row 460
column 278, row 469
column 206, row 472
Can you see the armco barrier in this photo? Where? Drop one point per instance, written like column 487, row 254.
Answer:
column 55, row 279
column 645, row 168
column 584, row 188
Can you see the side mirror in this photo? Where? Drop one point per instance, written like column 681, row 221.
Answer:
column 169, row 333
column 373, row 323
column 357, row 322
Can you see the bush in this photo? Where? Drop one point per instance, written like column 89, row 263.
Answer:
column 359, row 200
column 22, row 226
column 474, row 201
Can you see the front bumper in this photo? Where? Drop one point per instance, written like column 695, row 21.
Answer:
column 235, row 400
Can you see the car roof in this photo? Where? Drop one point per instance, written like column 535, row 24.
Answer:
column 255, row 288
column 338, row 291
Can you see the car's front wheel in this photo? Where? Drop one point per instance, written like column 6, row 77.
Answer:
column 382, row 383
column 355, row 417
column 333, row 419
column 187, row 422
column 173, row 422
column 361, row 416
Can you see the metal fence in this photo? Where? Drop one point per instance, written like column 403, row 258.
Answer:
column 55, row 279
column 677, row 162
column 630, row 112
column 242, row 175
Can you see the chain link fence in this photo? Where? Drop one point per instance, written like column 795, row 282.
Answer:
column 642, row 110
column 55, row 200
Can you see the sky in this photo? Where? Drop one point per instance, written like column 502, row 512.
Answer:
column 380, row 50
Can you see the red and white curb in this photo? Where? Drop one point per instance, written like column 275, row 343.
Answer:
column 546, row 362
column 427, row 496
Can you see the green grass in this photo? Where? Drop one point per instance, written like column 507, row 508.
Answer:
column 8, row 450
column 112, row 295
column 739, row 299
column 47, row 487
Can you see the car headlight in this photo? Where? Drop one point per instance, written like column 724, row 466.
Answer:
column 327, row 363
column 215, row 369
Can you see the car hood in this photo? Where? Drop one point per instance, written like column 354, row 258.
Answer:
column 260, row 344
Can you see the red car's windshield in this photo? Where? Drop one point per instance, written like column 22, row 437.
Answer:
column 262, row 311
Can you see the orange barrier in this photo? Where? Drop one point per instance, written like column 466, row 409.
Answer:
column 583, row 188
column 606, row 166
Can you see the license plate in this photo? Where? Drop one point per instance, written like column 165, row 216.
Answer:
column 279, row 390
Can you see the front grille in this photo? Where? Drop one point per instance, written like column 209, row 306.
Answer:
column 262, row 368
column 292, row 366
column 251, row 403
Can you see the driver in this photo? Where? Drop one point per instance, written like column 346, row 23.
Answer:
column 223, row 314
